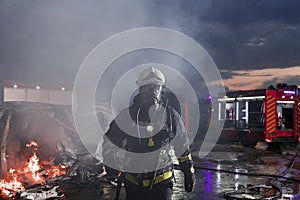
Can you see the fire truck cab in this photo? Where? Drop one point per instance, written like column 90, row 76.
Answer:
column 271, row 115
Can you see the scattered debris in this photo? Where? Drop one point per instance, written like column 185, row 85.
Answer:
column 41, row 194
column 261, row 146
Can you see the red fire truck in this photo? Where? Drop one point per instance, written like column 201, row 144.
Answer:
column 271, row 115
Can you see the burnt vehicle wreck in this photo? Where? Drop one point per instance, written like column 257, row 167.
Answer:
column 42, row 156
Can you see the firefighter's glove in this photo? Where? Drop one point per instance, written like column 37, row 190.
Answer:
column 189, row 181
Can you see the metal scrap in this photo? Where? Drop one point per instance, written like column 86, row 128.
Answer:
column 40, row 194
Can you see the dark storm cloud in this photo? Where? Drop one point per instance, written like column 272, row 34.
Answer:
column 253, row 34
column 289, row 81
column 226, row 74
column 237, row 14
column 49, row 39
column 249, row 74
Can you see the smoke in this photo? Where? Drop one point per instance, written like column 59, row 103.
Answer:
column 49, row 39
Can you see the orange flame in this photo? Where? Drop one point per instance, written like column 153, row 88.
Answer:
column 8, row 188
column 55, row 171
column 32, row 167
column 32, row 171
column 32, row 143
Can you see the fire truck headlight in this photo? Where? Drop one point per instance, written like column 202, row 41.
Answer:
column 268, row 140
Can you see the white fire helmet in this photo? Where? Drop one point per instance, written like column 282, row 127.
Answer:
column 151, row 76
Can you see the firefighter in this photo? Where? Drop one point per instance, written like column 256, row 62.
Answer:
column 158, row 129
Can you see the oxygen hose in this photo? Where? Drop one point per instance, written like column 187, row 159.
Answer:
column 247, row 174
column 243, row 173
column 252, row 192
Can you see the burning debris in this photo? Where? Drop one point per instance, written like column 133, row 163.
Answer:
column 10, row 186
column 41, row 153
column 32, row 173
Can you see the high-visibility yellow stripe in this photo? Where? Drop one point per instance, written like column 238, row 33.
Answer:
column 272, row 104
column 185, row 158
column 158, row 178
column 271, row 124
column 147, row 182
column 271, row 128
column 271, row 114
column 131, row 178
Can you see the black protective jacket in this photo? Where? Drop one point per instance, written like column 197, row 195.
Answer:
column 141, row 144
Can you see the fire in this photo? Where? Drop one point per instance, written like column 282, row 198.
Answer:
column 32, row 173
column 55, row 171
column 12, row 186
column 32, row 168
column 32, row 143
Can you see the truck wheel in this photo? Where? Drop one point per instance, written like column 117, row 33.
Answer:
column 275, row 147
column 253, row 143
column 247, row 141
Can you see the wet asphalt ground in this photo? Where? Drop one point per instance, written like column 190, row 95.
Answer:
column 211, row 183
